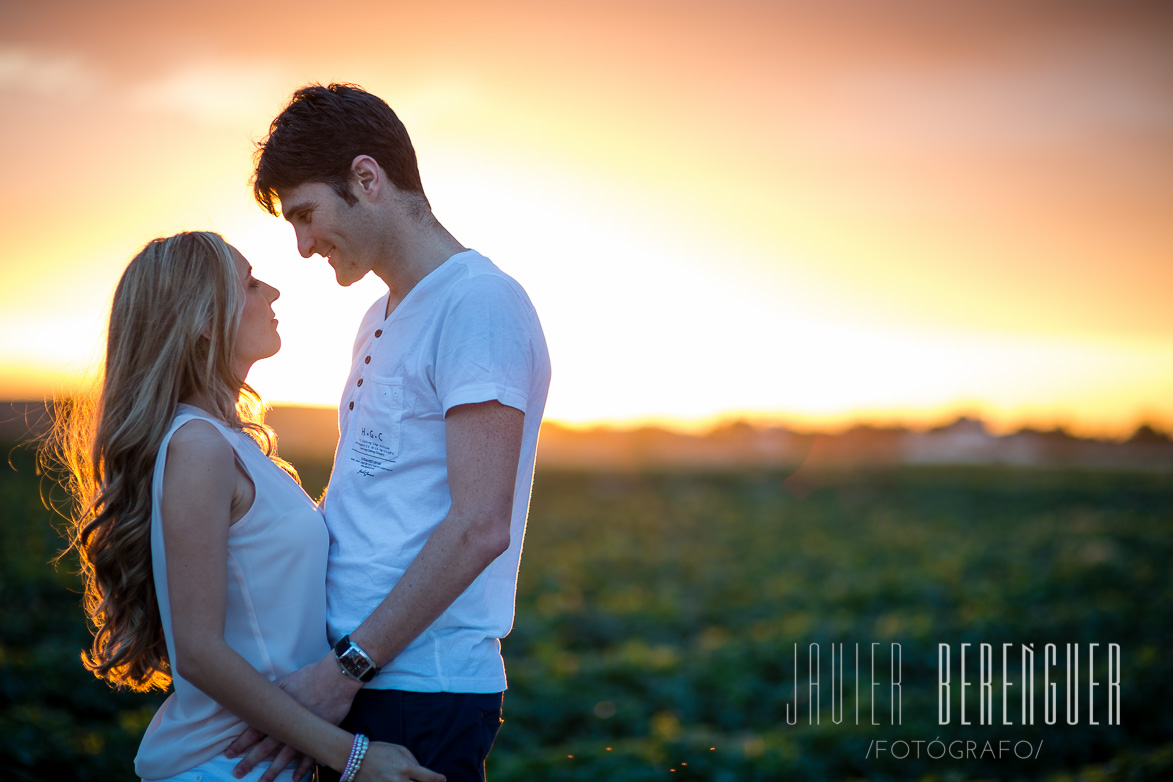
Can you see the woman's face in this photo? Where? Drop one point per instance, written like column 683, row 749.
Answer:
column 256, row 336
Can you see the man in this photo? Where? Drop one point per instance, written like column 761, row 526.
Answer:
column 427, row 502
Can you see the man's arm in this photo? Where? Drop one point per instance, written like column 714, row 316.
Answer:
column 483, row 443
column 483, row 447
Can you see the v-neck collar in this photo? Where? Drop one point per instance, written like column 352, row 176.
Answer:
column 430, row 280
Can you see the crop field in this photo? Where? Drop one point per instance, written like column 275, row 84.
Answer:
column 693, row 626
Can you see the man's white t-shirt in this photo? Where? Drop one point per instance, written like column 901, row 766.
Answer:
column 466, row 333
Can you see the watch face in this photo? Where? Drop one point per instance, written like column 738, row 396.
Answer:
column 353, row 661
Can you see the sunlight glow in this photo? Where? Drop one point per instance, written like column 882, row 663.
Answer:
column 779, row 215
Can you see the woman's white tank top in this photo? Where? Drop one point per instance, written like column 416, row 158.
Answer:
column 275, row 616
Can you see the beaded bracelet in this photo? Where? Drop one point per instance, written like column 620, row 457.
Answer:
column 358, row 751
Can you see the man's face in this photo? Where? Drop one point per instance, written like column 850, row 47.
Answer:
column 326, row 225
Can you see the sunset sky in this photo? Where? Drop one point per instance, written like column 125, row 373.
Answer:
column 806, row 212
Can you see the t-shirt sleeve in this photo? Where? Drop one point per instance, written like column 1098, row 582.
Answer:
column 485, row 347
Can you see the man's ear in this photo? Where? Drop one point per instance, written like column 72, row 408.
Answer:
column 368, row 176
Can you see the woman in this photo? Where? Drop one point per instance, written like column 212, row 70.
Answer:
column 204, row 561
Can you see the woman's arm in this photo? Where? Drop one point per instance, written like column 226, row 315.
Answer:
column 203, row 492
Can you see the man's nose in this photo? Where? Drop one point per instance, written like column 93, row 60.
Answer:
column 305, row 245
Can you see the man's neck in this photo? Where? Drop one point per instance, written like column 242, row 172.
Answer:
column 413, row 256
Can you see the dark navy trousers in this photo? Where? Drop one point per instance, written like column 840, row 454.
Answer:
column 449, row 733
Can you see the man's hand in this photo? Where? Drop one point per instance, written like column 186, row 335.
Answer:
column 323, row 689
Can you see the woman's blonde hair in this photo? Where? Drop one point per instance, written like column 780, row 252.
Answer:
column 172, row 332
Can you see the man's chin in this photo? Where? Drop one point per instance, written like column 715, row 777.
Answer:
column 346, row 280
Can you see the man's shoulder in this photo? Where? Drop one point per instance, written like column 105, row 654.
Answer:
column 481, row 279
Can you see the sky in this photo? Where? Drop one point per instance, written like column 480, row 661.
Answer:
column 811, row 213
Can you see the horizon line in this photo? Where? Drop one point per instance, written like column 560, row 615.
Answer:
column 702, row 426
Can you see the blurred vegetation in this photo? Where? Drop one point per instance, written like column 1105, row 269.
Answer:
column 658, row 614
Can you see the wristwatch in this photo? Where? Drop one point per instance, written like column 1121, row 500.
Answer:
column 354, row 662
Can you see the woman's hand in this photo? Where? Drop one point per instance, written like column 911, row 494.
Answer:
column 393, row 763
column 323, row 689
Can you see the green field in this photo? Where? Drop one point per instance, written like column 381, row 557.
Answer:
column 658, row 615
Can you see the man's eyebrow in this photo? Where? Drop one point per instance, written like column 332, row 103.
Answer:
column 288, row 210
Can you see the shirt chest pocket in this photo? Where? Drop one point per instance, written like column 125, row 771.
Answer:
column 377, row 433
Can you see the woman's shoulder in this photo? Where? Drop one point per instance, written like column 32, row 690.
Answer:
column 199, row 441
column 200, row 473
